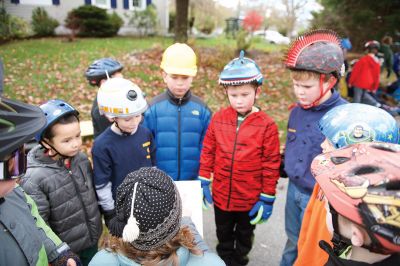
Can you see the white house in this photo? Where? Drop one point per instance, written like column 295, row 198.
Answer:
column 59, row 9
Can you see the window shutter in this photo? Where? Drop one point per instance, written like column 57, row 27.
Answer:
column 15, row 1
column 148, row 2
column 56, row 2
column 114, row 4
column 126, row 4
column 88, row 2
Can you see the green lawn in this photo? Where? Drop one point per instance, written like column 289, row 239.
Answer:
column 37, row 70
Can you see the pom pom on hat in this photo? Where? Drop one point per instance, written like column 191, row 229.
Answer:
column 149, row 209
column 131, row 230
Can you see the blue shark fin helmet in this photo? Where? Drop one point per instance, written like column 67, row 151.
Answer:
column 54, row 110
column 354, row 122
column 241, row 70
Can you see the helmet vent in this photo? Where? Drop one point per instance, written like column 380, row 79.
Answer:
column 367, row 169
column 384, row 147
column 132, row 95
column 394, row 185
column 339, row 160
column 62, row 104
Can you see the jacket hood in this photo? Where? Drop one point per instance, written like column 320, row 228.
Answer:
column 183, row 255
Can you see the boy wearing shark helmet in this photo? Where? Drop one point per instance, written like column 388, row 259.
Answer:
column 240, row 160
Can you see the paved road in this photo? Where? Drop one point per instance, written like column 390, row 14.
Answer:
column 270, row 238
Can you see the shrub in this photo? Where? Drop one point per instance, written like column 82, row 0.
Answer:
column 243, row 40
column 144, row 21
column 116, row 22
column 42, row 24
column 12, row 27
column 207, row 26
column 92, row 21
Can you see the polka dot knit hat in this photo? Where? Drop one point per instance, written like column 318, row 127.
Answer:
column 149, row 204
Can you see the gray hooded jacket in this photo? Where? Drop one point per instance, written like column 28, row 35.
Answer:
column 65, row 198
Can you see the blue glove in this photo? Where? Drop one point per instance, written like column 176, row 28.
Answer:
column 262, row 210
column 205, row 186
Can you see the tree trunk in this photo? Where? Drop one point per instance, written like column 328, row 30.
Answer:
column 181, row 20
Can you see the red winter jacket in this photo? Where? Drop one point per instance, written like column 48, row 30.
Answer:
column 244, row 163
column 365, row 74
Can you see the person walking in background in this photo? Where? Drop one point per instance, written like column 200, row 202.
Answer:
column 365, row 75
column 386, row 49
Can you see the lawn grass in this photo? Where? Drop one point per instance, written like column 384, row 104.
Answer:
column 37, row 70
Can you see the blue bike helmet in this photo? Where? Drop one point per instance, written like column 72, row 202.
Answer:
column 354, row 122
column 98, row 70
column 54, row 110
column 239, row 71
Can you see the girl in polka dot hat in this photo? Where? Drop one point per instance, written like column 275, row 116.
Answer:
column 148, row 228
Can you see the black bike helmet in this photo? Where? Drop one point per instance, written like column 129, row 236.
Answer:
column 99, row 69
column 19, row 122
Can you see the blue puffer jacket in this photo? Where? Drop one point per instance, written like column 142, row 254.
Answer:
column 178, row 127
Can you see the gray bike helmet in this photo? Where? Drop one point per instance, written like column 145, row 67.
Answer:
column 19, row 122
column 99, row 69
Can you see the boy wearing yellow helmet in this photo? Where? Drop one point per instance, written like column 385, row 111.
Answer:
column 177, row 118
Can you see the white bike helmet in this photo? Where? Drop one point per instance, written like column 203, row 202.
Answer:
column 119, row 97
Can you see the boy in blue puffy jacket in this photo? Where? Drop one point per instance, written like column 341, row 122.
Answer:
column 177, row 118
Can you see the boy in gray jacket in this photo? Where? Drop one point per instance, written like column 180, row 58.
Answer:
column 59, row 179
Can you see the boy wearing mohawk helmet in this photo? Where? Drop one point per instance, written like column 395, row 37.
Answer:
column 342, row 126
column 315, row 60
column 240, row 160
column 125, row 146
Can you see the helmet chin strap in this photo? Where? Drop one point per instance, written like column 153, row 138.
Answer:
column 54, row 149
column 322, row 92
column 124, row 133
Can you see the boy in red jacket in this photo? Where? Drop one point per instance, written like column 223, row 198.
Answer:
column 240, row 157
column 365, row 76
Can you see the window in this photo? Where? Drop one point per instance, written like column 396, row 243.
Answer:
column 137, row 4
column 36, row 2
column 102, row 3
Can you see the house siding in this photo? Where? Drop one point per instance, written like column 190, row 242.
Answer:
column 60, row 11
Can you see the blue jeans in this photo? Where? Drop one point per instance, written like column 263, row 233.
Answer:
column 296, row 203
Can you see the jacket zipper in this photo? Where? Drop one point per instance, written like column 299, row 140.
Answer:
column 179, row 139
column 231, row 172
column 80, row 198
